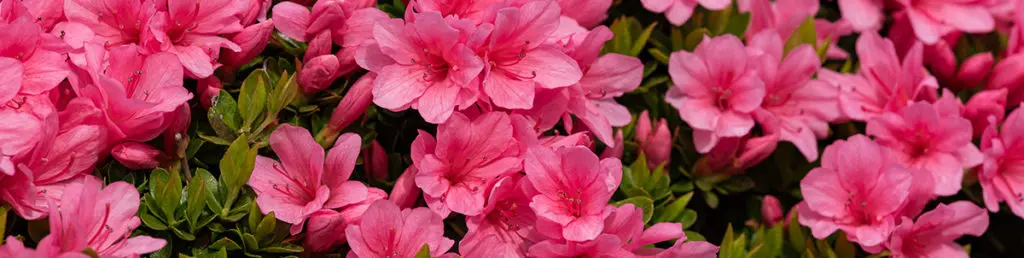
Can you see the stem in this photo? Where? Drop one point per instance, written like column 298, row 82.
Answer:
column 186, row 169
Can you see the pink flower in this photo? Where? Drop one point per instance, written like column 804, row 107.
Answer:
column 405, row 193
column 863, row 15
column 208, row 89
column 303, row 183
column 473, row 10
column 507, row 223
column 375, row 161
column 934, row 233
column 327, row 227
column 114, row 22
column 654, row 141
column 352, row 105
column 733, row 155
column 716, row 89
column 100, row 220
column 883, row 84
column 387, row 231
column 617, row 150
column 29, row 121
column 135, row 155
column 14, row 248
column 783, row 16
column 771, row 210
column 421, row 65
column 574, row 188
column 602, row 246
column 932, row 19
column 982, row 106
column 1004, row 159
column 136, row 92
column 803, row 106
column 931, row 137
column 191, row 30
column 857, row 190
column 29, row 62
column 251, row 40
column 468, row 155
column 519, row 60
column 679, row 11
column 588, row 13
column 21, row 194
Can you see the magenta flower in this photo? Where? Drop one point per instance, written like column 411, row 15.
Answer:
column 857, row 189
column 934, row 233
column 588, row 13
column 518, row 58
column 251, row 41
column 455, row 171
column 114, row 22
column 303, row 182
column 771, row 211
column 405, row 193
column 422, row 65
column 387, row 231
column 90, row 218
column 655, row 141
column 507, row 223
column 1004, row 158
column 191, row 30
column 932, row 19
column 14, row 248
column 733, row 155
column 985, row 104
column 574, row 188
column 802, row 106
column 473, row 10
column 327, row 227
column 30, row 64
column 883, row 83
column 716, row 89
column 930, row 137
column 679, row 11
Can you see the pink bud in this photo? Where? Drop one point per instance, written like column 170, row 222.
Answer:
column 252, row 40
column 974, row 70
column 208, row 88
column 375, row 161
column 256, row 10
column 771, row 210
column 656, row 144
column 318, row 74
column 941, row 60
column 405, row 193
column 615, row 152
column 354, row 104
column 984, row 104
column 1007, row 75
column 318, row 46
column 135, row 155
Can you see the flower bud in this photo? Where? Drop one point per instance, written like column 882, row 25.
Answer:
column 318, row 74
column 208, row 88
column 615, row 152
column 252, row 40
column 405, row 193
column 984, row 104
column 135, row 155
column 771, row 210
column 375, row 161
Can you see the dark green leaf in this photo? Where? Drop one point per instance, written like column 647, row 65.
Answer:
column 225, row 243
column 266, row 227
column 223, row 116
column 283, row 249
column 658, row 55
column 166, row 191
column 711, row 199
column 152, row 222
column 252, row 98
column 249, row 241
column 641, row 40
column 795, row 233
column 674, row 210
column 771, row 244
column 195, row 201
column 689, row 218
column 182, row 234
column 844, row 248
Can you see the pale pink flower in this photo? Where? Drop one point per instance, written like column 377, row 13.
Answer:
column 857, row 189
column 588, row 13
column 655, row 141
column 520, row 60
column 679, row 11
column 574, row 188
column 883, row 83
column 327, row 227
column 933, row 234
column 387, row 231
column 716, row 89
column 507, row 223
column 303, row 182
column 421, row 65
column 90, row 218
column 863, row 15
column 30, row 61
column 191, row 30
column 930, row 137
column 934, row 18
column 783, row 16
column 1004, row 157
column 455, row 170
column 803, row 106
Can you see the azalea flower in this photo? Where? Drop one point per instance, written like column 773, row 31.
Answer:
column 114, row 22
column 422, row 65
column 716, row 89
column 14, row 248
column 327, row 227
column 933, row 234
column 507, row 223
column 588, row 13
column 1003, row 162
column 931, row 137
column 831, row 32
column 303, row 182
column 191, row 30
column 803, row 106
column 455, row 169
column 574, row 188
column 473, row 10
column 732, row 155
column 89, row 217
column 932, row 19
column 31, row 62
column 857, row 189
column 679, row 11
column 387, row 231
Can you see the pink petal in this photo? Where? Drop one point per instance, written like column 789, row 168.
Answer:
column 301, row 156
column 438, row 102
column 11, row 74
column 508, row 92
column 292, row 19
column 862, row 14
column 583, row 228
column 341, row 159
column 397, row 86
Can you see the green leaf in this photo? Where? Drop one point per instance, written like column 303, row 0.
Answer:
column 226, row 244
column 636, row 191
column 805, row 34
column 844, row 248
column 641, row 40
column 771, row 245
column 223, row 116
column 424, row 252
column 727, row 250
column 658, row 55
column 283, row 249
column 795, row 233
column 694, row 38
column 285, row 91
column 689, row 218
column 265, row 230
column 165, row 187
column 674, row 210
column 682, row 187
column 711, row 199
column 152, row 222
column 718, row 20
column 252, row 98
column 213, row 190
column 692, row 236
column 235, row 167
column 641, row 202
column 254, row 218
column 249, row 241
column 195, row 201
column 3, row 221
column 738, row 184
column 182, row 234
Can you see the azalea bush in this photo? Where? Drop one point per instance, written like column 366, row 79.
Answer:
column 511, row 128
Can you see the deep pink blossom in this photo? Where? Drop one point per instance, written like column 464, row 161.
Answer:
column 352, row 105
column 473, row 10
column 520, row 60
column 191, row 31
column 455, row 170
column 857, row 189
column 933, row 234
column 883, row 83
column 574, row 189
column 1004, row 157
column 733, row 155
column 14, row 248
column 113, row 22
column 387, row 231
column 655, row 141
column 930, row 137
column 679, row 11
column 90, row 218
column 507, row 223
column 588, row 13
column 934, row 18
column 327, row 227
column 405, row 194
column 803, row 106
column 375, row 161
column 304, row 182
column 30, row 61
column 771, row 210
column 982, row 106
column 421, row 65
column 716, row 89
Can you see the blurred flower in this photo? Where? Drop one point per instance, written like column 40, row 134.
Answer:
column 388, row 231
column 588, row 13
column 679, row 11
column 1004, row 156
column 405, row 193
column 771, row 210
column 982, row 106
column 783, row 16
column 932, row 19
